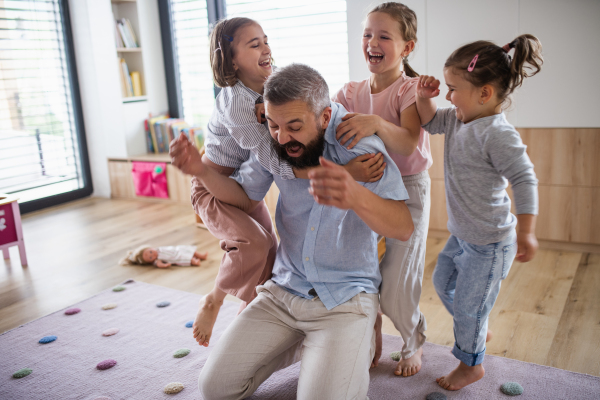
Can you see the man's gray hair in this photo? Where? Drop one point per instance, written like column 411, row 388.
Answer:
column 298, row 82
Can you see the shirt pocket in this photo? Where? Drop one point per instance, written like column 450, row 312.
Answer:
column 508, row 252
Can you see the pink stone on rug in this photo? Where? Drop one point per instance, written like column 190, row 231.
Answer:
column 110, row 332
column 106, row 364
column 72, row 311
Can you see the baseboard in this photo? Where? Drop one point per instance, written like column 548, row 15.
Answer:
column 544, row 244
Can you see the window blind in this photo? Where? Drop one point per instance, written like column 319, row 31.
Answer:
column 191, row 46
column 312, row 32
column 39, row 153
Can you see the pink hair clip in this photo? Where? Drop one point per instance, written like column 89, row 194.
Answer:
column 471, row 66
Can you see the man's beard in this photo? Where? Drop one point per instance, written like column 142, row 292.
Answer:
column 310, row 153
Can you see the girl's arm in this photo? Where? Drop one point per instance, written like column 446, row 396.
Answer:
column 427, row 88
column 398, row 139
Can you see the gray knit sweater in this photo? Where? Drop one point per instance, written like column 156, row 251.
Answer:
column 479, row 157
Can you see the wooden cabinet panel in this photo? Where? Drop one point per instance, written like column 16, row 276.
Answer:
column 438, row 218
column 437, row 153
column 179, row 185
column 564, row 156
column 121, row 181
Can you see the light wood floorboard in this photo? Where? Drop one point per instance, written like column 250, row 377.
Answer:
column 548, row 310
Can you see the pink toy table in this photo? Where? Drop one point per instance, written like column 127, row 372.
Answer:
column 11, row 233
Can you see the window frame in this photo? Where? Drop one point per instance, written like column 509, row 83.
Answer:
column 88, row 188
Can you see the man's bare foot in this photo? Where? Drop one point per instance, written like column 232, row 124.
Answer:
column 461, row 376
column 489, row 336
column 378, row 340
column 205, row 319
column 410, row 366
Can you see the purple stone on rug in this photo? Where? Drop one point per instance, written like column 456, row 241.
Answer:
column 106, row 364
column 47, row 339
column 72, row 311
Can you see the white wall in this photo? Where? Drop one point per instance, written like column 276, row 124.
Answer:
column 114, row 128
column 565, row 93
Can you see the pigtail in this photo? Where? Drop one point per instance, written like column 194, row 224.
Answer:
column 527, row 60
column 408, row 71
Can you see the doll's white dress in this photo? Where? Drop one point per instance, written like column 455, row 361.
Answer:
column 176, row 255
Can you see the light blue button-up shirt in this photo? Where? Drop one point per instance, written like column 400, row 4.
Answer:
column 324, row 247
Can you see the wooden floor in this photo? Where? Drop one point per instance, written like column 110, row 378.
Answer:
column 548, row 311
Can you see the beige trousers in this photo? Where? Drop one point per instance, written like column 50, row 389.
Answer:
column 402, row 268
column 278, row 329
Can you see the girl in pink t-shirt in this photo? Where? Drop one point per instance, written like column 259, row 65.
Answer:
column 384, row 105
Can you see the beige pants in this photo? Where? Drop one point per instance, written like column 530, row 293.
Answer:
column 402, row 268
column 279, row 328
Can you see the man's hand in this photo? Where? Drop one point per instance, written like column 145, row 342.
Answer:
column 527, row 246
column 185, row 156
column 428, row 87
column 378, row 340
column 357, row 126
column 259, row 109
column 366, row 168
column 332, row 185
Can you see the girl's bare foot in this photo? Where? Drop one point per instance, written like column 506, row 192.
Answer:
column 410, row 366
column 489, row 336
column 461, row 376
column 207, row 316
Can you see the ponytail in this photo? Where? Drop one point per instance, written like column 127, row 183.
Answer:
column 408, row 71
column 527, row 60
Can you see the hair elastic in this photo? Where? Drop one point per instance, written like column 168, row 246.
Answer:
column 218, row 48
column 509, row 46
column 471, row 66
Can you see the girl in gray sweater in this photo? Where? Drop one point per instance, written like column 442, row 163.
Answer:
column 482, row 151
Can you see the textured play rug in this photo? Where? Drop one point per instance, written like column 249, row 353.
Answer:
column 144, row 329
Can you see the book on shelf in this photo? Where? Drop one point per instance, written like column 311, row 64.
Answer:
column 126, row 34
column 126, row 78
column 161, row 130
column 136, row 82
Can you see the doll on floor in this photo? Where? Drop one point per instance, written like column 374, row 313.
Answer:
column 165, row 256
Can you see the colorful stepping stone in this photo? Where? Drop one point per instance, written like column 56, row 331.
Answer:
column 436, row 396
column 181, row 353
column 47, row 339
column 110, row 332
column 119, row 288
column 109, row 306
column 511, row 389
column 72, row 311
column 396, row 356
column 22, row 373
column 106, row 364
column 189, row 324
column 173, row 387
column 163, row 304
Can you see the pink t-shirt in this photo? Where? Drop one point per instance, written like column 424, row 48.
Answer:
column 356, row 97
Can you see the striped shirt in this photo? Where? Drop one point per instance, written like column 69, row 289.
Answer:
column 233, row 132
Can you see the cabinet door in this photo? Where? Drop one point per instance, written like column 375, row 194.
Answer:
column 121, row 181
column 179, row 185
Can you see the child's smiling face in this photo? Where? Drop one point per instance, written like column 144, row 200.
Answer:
column 252, row 56
column 463, row 95
column 382, row 43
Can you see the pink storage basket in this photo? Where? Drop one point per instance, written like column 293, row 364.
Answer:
column 150, row 179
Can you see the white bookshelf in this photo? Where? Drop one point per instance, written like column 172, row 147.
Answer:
column 133, row 56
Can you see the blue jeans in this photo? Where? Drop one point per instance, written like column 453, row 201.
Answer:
column 467, row 278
